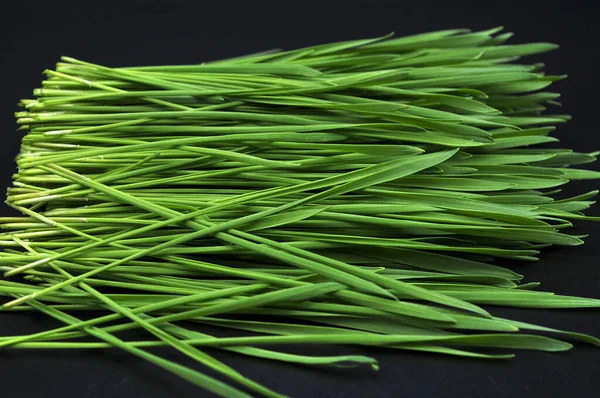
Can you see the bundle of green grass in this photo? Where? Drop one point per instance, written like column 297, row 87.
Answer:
column 353, row 193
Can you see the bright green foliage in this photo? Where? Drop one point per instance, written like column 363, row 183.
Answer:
column 354, row 193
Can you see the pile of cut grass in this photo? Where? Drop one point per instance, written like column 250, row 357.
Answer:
column 354, row 193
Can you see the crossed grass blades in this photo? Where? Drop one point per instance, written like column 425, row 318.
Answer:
column 354, row 193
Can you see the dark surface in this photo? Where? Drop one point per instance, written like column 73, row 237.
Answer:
column 32, row 37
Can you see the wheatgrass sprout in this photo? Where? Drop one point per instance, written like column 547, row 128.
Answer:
column 353, row 193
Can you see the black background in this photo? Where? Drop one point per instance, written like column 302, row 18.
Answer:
column 33, row 36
